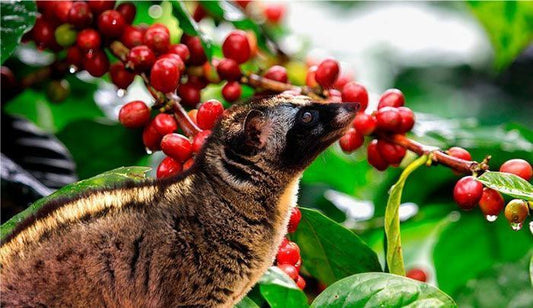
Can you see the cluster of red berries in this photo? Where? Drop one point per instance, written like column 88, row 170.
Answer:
column 288, row 258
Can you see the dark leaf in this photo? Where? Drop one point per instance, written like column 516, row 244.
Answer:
column 17, row 17
column 190, row 27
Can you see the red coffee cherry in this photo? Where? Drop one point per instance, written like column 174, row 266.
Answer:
column 128, row 11
column 151, row 137
column 99, row 6
column 228, row 69
column 132, row 36
column 174, row 57
column 459, row 152
column 111, row 23
column 236, row 46
column 196, row 50
column 389, row 119
column 61, row 10
column 80, row 15
column 310, row 80
column 164, row 124
column 343, row 79
column 168, row 167
column 274, row 12
column 242, row 3
column 335, row 96
column 208, row 113
column 165, row 75
column 199, row 140
column 374, row 157
column 391, row 98
column 199, row 13
column 141, row 58
column 351, row 141
column 365, row 123
column 290, row 270
column 181, row 50
column 417, row 274
column 355, row 92
column 277, row 73
column 190, row 95
column 327, row 73
column 516, row 211
column 157, row 37
column 188, row 164
column 74, row 56
column 88, row 40
column 288, row 254
column 300, row 282
column 407, row 119
column 134, row 114
column 491, row 202
column 121, row 77
column 294, row 220
column 390, row 152
column 199, row 82
column 467, row 192
column 232, row 91
column 96, row 63
column 176, row 146
column 518, row 167
column 43, row 33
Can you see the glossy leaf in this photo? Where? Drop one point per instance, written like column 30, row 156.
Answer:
column 330, row 251
column 280, row 290
column 394, row 254
column 190, row 27
column 106, row 179
column 246, row 303
column 508, row 184
column 16, row 19
column 381, row 290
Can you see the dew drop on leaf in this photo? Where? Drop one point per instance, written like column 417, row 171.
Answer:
column 516, row 226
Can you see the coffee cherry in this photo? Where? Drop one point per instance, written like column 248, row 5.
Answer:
column 43, row 33
column 134, row 114
column 288, row 254
column 327, row 73
column 141, row 58
column 388, row 119
column 181, row 50
column 229, row 70
column 294, row 220
column 491, row 202
column 190, row 95
column 74, row 56
column 343, row 79
column 176, row 146
column 310, row 80
column 391, row 98
column 168, row 167
column 356, row 93
column 351, row 140
column 128, row 11
column 459, row 152
column 208, row 113
column 518, row 167
column 99, row 6
column 132, row 36
column 199, row 82
column 335, row 96
column 197, row 53
column 417, row 274
column 274, row 12
column 407, row 119
column 374, row 157
column 151, row 137
column 390, row 152
column 121, row 77
column 467, row 192
column 165, row 75
column 516, row 212
column 236, row 46
column 61, row 10
column 199, row 13
column 232, row 91
column 157, row 38
column 58, row 90
column 364, row 123
column 111, row 23
column 277, row 73
column 96, row 63
column 188, row 164
column 300, row 282
column 80, row 15
column 65, row 35
column 290, row 270
column 88, row 40
column 164, row 124
column 199, row 140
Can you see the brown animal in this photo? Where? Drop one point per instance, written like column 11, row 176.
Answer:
column 201, row 239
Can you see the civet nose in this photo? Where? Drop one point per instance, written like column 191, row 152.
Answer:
column 351, row 106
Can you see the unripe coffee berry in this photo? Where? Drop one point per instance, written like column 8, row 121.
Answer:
column 351, row 140
column 391, row 98
column 199, row 140
column 290, row 270
column 232, row 91
column 121, row 77
column 165, row 75
column 89, row 39
column 518, row 167
column 134, row 114
column 141, row 58
column 277, row 73
column 165, row 123
column 388, row 119
column 417, row 274
column 111, row 23
column 294, row 220
column 491, row 202
column 228, row 69
column 208, row 113
column 374, row 157
column 58, row 90
column 516, row 212
column 288, row 254
column 355, row 92
column 96, row 63
column 365, row 123
column 237, row 47
column 176, row 146
column 168, row 167
column 467, row 192
column 65, row 35
column 327, row 73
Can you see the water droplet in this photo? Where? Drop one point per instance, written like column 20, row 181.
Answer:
column 121, row 92
column 491, row 218
column 516, row 226
column 531, row 227
column 72, row 69
column 148, row 151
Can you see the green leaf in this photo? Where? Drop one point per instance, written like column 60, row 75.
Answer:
column 17, row 18
column 508, row 184
column 280, row 290
column 330, row 251
column 382, row 290
column 106, row 179
column 190, row 27
column 246, row 303
column 394, row 254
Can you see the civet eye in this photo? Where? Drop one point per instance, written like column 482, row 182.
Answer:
column 308, row 117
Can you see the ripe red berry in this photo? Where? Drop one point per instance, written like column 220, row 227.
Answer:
column 417, row 274
column 134, row 114
column 364, row 123
column 327, row 73
column 355, row 92
column 198, row 82
column 518, row 167
column 190, row 95
column 188, row 164
column 290, row 270
column 300, row 282
column 391, row 98
column 96, row 63
column 141, row 58
column 111, row 23
column 374, row 157
column 491, row 202
column 181, row 50
column 165, row 75
column 277, row 73
column 388, row 119
column 310, row 80
column 74, row 56
column 121, row 77
column 61, row 10
column 407, row 119
column 99, row 6
column 196, row 50
column 132, row 36
column 459, row 152
column 274, row 12
column 168, row 167
column 351, row 140
column 243, row 3
column 174, row 57
column 80, row 15
column 164, row 124
column 208, row 113
column 288, row 254
column 176, row 146
column 232, row 91
column 89, row 39
column 127, row 10
column 157, row 38
column 199, row 13
column 228, row 69
column 516, row 212
column 199, row 140
column 343, row 79
column 43, row 33
column 467, row 192
column 390, row 152
column 151, row 137
column 294, row 220
column 236, row 46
